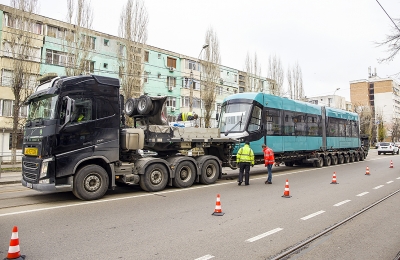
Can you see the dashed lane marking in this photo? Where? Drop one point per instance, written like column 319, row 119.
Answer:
column 313, row 215
column 206, row 257
column 377, row 187
column 341, row 203
column 362, row 194
column 264, row 235
column 389, row 182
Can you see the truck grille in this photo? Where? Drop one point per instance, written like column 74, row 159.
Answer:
column 31, row 165
column 29, row 176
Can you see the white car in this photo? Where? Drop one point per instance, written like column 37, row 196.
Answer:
column 386, row 147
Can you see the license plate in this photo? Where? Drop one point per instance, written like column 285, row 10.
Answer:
column 29, row 185
column 31, row 151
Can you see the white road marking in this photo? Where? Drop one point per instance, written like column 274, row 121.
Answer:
column 377, row 187
column 313, row 215
column 398, row 178
column 362, row 194
column 389, row 182
column 264, row 235
column 206, row 257
column 341, row 203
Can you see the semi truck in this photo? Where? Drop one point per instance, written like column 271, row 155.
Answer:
column 298, row 132
column 76, row 139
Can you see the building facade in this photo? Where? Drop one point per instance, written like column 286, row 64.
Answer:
column 165, row 73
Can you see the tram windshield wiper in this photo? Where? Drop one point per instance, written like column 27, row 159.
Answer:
column 238, row 123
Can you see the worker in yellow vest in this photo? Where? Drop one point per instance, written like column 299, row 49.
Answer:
column 187, row 116
column 245, row 158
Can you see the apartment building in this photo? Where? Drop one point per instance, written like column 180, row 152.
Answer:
column 165, row 73
column 381, row 96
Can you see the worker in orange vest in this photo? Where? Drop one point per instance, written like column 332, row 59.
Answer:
column 269, row 160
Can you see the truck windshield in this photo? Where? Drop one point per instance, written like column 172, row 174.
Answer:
column 42, row 107
column 234, row 117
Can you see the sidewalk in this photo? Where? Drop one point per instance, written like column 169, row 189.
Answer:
column 10, row 177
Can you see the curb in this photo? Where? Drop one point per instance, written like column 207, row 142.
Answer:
column 9, row 182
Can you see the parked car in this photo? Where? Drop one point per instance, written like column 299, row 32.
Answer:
column 386, row 147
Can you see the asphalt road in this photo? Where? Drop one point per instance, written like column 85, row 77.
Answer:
column 178, row 223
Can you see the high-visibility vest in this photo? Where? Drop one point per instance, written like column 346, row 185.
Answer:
column 269, row 157
column 186, row 115
column 245, row 154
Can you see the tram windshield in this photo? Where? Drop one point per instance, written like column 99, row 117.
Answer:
column 234, row 117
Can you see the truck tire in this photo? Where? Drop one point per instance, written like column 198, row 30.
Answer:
column 327, row 161
column 209, row 172
column 341, row 159
column 90, row 183
column 144, row 105
column 155, row 178
column 131, row 107
column 334, row 160
column 346, row 158
column 185, row 175
column 362, row 156
column 318, row 163
column 352, row 157
column 357, row 157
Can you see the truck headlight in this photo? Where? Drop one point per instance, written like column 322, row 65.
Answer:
column 45, row 166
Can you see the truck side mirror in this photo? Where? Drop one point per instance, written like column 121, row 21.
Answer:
column 67, row 109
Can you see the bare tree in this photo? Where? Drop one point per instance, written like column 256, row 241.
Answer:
column 78, row 44
column 366, row 119
column 133, row 31
column 253, row 76
column 392, row 41
column 295, row 81
column 275, row 73
column 395, row 129
column 23, row 60
column 211, row 74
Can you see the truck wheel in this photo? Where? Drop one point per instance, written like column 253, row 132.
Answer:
column 346, row 158
column 155, row 178
column 341, row 159
column 362, row 156
column 379, row 153
column 352, row 157
column 90, row 183
column 185, row 175
column 334, row 160
column 357, row 157
column 131, row 107
column 318, row 163
column 209, row 172
column 327, row 161
column 144, row 105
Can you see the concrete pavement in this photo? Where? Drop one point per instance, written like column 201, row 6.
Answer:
column 10, row 177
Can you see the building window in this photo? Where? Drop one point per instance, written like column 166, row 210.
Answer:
column 146, row 56
column 106, row 42
column 89, row 66
column 57, row 58
column 146, row 77
column 6, row 107
column 159, row 55
column 192, row 65
column 171, row 81
column 55, row 32
column 171, row 102
column 171, row 62
column 6, row 78
column 90, row 41
column 105, row 65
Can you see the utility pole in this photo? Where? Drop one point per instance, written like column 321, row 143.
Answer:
column 191, row 91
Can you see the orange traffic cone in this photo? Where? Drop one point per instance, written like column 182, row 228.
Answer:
column 391, row 164
column 334, row 179
column 367, row 171
column 286, row 193
column 13, row 250
column 218, row 210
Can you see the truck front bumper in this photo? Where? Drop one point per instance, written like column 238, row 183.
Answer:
column 47, row 186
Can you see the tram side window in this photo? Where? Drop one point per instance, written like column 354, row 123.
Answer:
column 273, row 121
column 342, row 127
column 312, row 122
column 255, row 120
column 288, row 123
column 300, row 124
column 354, row 129
column 333, row 127
column 348, row 128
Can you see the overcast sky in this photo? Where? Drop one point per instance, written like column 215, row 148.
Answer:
column 332, row 40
